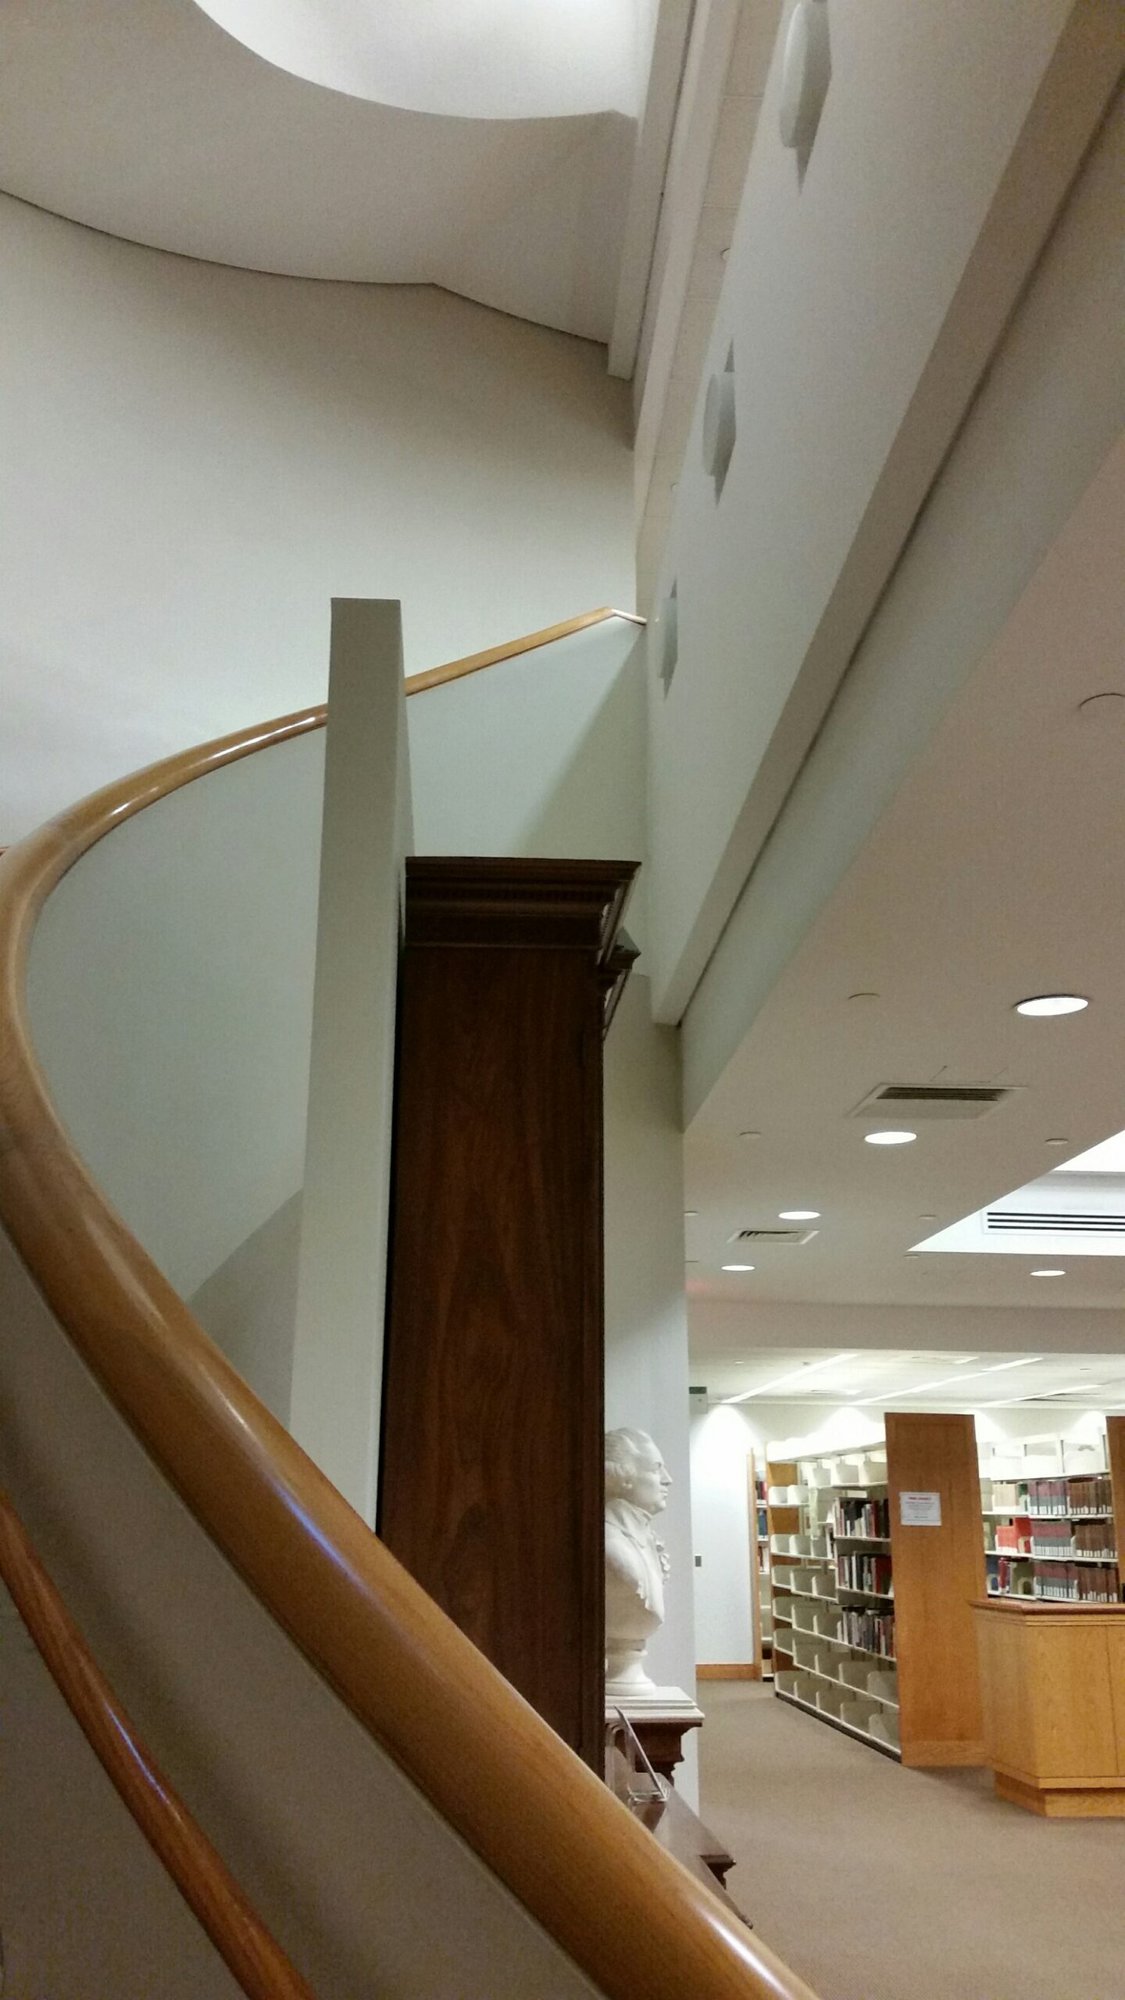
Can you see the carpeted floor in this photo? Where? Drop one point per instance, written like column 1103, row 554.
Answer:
column 877, row 1883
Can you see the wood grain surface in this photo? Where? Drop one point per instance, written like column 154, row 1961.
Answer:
column 491, row 1480
column 938, row 1571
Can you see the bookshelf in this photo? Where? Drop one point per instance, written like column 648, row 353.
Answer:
column 1050, row 1531
column 875, row 1557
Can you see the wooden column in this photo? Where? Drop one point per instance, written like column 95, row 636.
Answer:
column 492, row 1464
column 938, row 1571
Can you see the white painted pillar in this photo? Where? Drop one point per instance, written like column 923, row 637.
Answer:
column 646, row 1340
column 341, row 1281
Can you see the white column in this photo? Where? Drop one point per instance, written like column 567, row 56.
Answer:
column 341, row 1283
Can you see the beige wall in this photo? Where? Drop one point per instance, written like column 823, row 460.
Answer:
column 196, row 460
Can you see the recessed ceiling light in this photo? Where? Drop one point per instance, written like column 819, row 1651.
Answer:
column 927, row 1218
column 1049, row 1271
column 863, row 996
column 691, row 1211
column 752, row 1133
column 738, row 1267
column 798, row 1215
column 1056, row 1142
column 1052, row 1003
column 889, row 1138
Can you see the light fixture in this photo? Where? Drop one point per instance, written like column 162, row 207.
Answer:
column 1056, row 1142
column 738, row 1267
column 889, row 1138
column 794, row 1375
column 798, row 1215
column 1050, row 1271
column 1041, row 1004
column 943, row 1381
column 751, row 1132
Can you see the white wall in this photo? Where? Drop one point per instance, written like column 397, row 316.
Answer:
column 952, row 130
column 170, row 1000
column 724, row 1326
column 195, row 460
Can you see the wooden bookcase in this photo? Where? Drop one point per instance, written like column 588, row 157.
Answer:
column 881, row 1639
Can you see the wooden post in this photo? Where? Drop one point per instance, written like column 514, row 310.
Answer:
column 938, row 1571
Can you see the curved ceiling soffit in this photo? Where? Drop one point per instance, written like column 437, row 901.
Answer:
column 147, row 120
column 494, row 59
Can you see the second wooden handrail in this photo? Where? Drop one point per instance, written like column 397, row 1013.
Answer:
column 204, row 1881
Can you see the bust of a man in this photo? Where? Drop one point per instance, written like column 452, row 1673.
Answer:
column 636, row 1489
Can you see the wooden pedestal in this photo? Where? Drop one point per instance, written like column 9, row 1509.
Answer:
column 1053, row 1683
column 491, row 1488
column 660, row 1726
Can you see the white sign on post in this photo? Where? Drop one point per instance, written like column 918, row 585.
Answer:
column 919, row 1510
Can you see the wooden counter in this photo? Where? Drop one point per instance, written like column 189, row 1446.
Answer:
column 1053, row 1688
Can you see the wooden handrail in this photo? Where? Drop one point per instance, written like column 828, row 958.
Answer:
column 637, row 1924
column 472, row 664
column 258, row 1963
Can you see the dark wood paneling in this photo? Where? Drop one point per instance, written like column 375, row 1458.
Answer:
column 491, row 1485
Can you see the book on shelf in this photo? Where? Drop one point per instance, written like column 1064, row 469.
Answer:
column 856, row 1519
column 864, row 1570
column 1081, row 1583
column 870, row 1631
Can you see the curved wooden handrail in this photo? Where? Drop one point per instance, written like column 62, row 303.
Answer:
column 637, row 1924
column 258, row 1963
column 473, row 662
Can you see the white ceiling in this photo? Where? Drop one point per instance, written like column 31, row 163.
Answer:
column 456, row 58
column 146, row 119
column 907, row 1379
column 997, row 872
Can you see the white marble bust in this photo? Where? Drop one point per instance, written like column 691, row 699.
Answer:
column 636, row 1489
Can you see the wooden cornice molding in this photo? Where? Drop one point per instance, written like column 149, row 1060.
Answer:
column 636, row 1923
column 204, row 1881
column 485, row 902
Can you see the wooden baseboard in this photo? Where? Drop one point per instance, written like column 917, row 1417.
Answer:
column 1077, row 1803
column 746, row 1670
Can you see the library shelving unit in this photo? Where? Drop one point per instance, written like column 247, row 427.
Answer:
column 1049, row 1516
column 763, row 1595
column 876, row 1556
column 783, row 1520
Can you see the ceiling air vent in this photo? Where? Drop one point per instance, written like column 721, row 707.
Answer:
column 759, row 1236
column 1009, row 1221
column 930, row 1100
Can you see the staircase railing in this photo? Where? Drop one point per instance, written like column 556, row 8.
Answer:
column 254, row 1957
column 639, row 1926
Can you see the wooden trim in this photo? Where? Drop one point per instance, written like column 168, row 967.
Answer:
column 258, row 1963
column 457, row 669
column 742, row 1670
column 637, row 1924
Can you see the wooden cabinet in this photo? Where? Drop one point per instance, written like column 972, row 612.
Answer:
column 1053, row 1685
column 491, row 1489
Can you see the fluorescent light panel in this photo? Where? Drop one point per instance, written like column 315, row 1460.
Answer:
column 943, row 1381
column 794, row 1375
